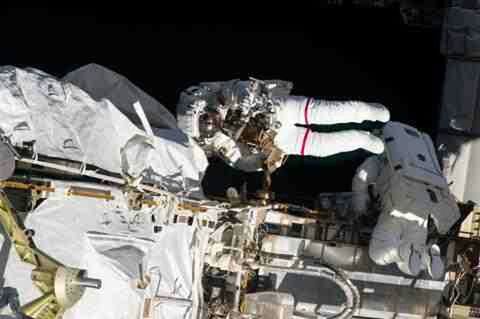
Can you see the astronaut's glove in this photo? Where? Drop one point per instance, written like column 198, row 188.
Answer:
column 231, row 153
column 245, row 95
column 225, row 147
column 295, row 140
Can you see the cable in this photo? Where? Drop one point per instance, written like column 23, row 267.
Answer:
column 455, row 290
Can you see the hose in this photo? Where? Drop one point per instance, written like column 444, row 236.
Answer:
column 349, row 289
column 331, row 273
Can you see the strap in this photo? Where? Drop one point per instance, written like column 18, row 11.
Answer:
column 307, row 132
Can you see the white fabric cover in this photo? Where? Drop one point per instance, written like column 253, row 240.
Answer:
column 111, row 250
column 101, row 83
column 95, row 235
column 67, row 123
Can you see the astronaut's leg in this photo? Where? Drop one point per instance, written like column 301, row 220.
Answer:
column 386, row 238
column 333, row 112
column 303, row 141
column 302, row 110
column 416, row 255
column 398, row 240
column 388, row 245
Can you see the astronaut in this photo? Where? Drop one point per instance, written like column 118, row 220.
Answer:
column 414, row 200
column 253, row 125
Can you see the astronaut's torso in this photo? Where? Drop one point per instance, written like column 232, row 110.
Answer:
column 235, row 120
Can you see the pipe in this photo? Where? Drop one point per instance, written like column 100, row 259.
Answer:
column 88, row 282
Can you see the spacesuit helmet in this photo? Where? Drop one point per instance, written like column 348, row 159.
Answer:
column 240, row 93
column 210, row 122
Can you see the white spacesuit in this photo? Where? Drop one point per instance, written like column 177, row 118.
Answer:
column 223, row 117
column 413, row 196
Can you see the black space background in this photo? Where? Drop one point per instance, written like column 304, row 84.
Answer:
column 339, row 54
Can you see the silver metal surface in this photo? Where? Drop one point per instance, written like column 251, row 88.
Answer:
column 66, row 290
column 385, row 291
column 173, row 300
column 88, row 282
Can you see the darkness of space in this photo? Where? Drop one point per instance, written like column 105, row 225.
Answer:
column 366, row 54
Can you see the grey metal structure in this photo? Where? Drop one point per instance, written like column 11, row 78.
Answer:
column 385, row 291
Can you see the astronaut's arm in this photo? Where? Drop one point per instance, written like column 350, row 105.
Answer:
column 250, row 163
column 365, row 176
column 230, row 152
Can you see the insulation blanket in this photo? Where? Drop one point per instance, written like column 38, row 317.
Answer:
column 111, row 244
column 105, row 238
column 100, row 82
column 65, row 122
